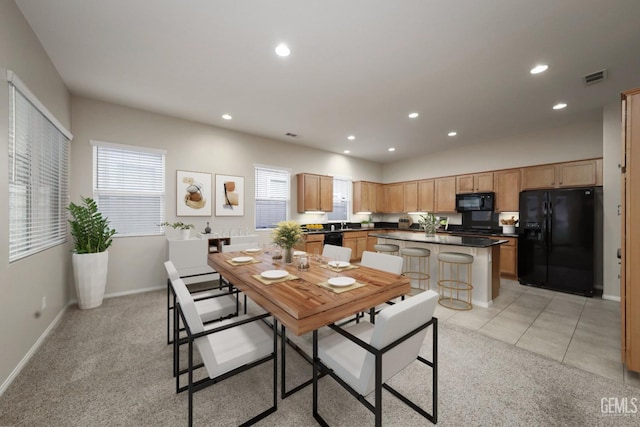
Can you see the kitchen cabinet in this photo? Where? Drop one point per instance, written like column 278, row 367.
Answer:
column 394, row 196
column 509, row 257
column 507, row 188
column 315, row 193
column 371, row 242
column 357, row 241
column 426, row 196
column 380, row 202
column 365, row 196
column 445, row 194
column 582, row 173
column 311, row 243
column 474, row 183
column 630, row 245
column 410, row 196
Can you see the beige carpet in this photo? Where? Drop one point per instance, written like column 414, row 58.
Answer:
column 111, row 366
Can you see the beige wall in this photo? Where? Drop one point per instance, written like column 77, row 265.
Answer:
column 190, row 146
column 24, row 283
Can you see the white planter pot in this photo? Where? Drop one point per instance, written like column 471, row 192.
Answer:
column 90, row 276
column 509, row 229
column 184, row 234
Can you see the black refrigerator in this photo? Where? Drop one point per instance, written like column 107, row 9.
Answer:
column 560, row 239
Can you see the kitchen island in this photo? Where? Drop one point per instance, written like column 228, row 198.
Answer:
column 486, row 258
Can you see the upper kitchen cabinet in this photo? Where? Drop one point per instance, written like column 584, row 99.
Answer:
column 445, row 192
column 394, row 197
column 315, row 193
column 580, row 173
column 410, row 196
column 507, row 188
column 380, row 202
column 474, row 183
column 365, row 196
column 426, row 196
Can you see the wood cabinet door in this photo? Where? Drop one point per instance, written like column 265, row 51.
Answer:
column 539, row 177
column 361, row 246
column 483, row 182
column 464, row 184
column 395, row 201
column 507, row 188
column 410, row 196
column 308, row 192
column 445, row 190
column 426, row 195
column 371, row 242
column 353, row 244
column 313, row 248
column 509, row 260
column 576, row 174
column 380, row 201
column 358, row 202
column 325, row 201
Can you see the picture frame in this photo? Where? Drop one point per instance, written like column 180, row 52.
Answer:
column 193, row 193
column 229, row 195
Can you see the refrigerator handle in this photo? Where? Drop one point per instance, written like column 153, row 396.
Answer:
column 544, row 208
column 549, row 223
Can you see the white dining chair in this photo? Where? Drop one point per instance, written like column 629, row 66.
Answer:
column 228, row 348
column 385, row 262
column 211, row 305
column 336, row 253
column 364, row 356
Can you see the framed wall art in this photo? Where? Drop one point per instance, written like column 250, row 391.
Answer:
column 193, row 193
column 229, row 195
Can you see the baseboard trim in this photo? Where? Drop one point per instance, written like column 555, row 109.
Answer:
column 12, row 376
column 611, row 297
column 124, row 293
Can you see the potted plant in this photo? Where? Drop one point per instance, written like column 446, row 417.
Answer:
column 287, row 235
column 92, row 236
column 184, row 228
column 430, row 223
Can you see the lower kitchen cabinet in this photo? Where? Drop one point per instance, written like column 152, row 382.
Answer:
column 310, row 243
column 357, row 241
column 509, row 257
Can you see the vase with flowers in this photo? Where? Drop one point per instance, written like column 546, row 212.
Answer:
column 286, row 235
column 430, row 223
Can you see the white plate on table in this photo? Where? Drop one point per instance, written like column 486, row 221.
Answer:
column 299, row 253
column 338, row 264
column 342, row 281
column 252, row 250
column 274, row 274
column 240, row 259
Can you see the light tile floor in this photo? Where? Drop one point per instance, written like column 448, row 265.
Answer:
column 576, row 330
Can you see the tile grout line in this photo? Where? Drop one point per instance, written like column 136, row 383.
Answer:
column 584, row 304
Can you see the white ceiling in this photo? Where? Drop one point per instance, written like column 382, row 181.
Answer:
column 357, row 66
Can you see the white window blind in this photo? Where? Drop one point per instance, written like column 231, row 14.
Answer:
column 272, row 196
column 128, row 185
column 38, row 174
column 341, row 199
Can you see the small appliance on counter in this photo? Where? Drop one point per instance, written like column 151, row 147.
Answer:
column 404, row 222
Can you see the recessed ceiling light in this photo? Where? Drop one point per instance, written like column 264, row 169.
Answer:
column 351, row 137
column 559, row 106
column 227, row 116
column 413, row 115
column 453, row 133
column 392, row 149
column 283, row 50
column 540, row 68
column 346, row 151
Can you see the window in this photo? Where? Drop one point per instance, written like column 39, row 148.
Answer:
column 341, row 199
column 272, row 196
column 128, row 185
column 38, row 174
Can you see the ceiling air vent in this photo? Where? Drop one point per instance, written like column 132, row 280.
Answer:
column 292, row 135
column 596, row 77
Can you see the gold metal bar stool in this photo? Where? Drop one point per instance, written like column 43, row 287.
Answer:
column 452, row 286
column 417, row 266
column 387, row 248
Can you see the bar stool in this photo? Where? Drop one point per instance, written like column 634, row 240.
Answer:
column 387, row 248
column 450, row 288
column 418, row 258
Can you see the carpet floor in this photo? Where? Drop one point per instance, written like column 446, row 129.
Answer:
column 111, row 366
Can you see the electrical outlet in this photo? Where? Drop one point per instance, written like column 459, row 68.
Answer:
column 44, row 303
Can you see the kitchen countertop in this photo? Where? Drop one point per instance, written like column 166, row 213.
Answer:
column 411, row 230
column 418, row 237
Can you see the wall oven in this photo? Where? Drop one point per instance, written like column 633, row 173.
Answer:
column 474, row 202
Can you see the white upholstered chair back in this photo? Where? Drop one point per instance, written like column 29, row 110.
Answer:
column 336, row 253
column 392, row 323
column 384, row 262
column 172, row 273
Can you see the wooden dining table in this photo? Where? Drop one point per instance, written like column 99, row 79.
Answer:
column 300, row 304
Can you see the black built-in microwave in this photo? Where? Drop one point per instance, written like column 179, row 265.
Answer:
column 474, row 202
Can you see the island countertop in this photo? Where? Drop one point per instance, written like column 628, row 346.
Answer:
column 418, row 237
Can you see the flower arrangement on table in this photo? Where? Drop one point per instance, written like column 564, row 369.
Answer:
column 429, row 222
column 286, row 235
